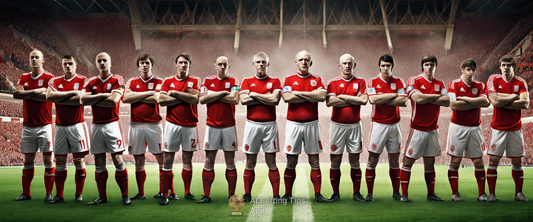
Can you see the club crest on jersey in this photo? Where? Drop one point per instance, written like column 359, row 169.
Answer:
column 109, row 86
column 341, row 85
column 437, row 88
column 355, row 86
column 76, row 85
column 269, row 85
column 40, row 82
column 313, row 82
column 225, row 86
column 151, row 85
column 289, row 148
column 474, row 91
column 190, row 84
column 60, row 86
column 393, row 86
column 515, row 88
column 333, row 147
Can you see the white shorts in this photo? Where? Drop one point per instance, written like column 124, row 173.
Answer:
column 72, row 139
column 308, row 133
column 465, row 139
column 422, row 144
column 387, row 136
column 176, row 135
column 345, row 135
column 509, row 142
column 106, row 138
column 220, row 138
column 142, row 135
column 260, row 134
column 39, row 138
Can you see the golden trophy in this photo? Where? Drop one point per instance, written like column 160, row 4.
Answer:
column 236, row 202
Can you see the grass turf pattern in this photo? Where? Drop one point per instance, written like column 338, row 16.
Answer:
column 384, row 208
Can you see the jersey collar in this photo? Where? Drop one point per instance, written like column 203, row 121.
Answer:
column 68, row 80
column 261, row 78
column 145, row 81
column 105, row 80
column 36, row 77
column 303, row 77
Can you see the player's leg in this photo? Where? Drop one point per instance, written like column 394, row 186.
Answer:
column 101, row 176
column 166, row 176
column 249, row 175
column 61, row 177
column 208, row 175
column 231, row 172
column 160, row 158
column 479, row 173
column 273, row 173
column 429, row 175
column 121, row 176
column 453, row 177
column 356, row 176
column 394, row 174
column 370, row 174
column 49, row 174
column 28, row 172
column 186, row 173
column 405, row 177
column 492, row 176
column 316, row 176
column 498, row 144
column 81, row 174
column 140, row 175
column 518, row 177
column 290, row 175
column 335, row 176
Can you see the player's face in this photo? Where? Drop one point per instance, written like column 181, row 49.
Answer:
column 36, row 59
column 429, row 68
column 468, row 74
column 346, row 65
column 222, row 66
column 103, row 62
column 69, row 66
column 303, row 61
column 507, row 68
column 385, row 68
column 182, row 66
column 145, row 66
column 261, row 65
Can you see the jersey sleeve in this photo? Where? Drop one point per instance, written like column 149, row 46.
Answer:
column 128, row 85
column 451, row 91
column 203, row 88
column 118, row 86
column 22, row 81
column 444, row 89
column 371, row 89
column 166, row 85
column 403, row 90
column 276, row 85
column 362, row 87
column 482, row 91
column 490, row 85
column 523, row 87
column 320, row 86
column 331, row 91
column 52, row 85
column 245, row 88
column 411, row 86
column 287, row 88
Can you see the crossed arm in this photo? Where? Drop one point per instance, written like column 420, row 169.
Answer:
column 346, row 100
column 254, row 98
column 67, row 98
column 174, row 97
column 510, row 101
column 300, row 97
column 223, row 96
column 435, row 99
column 391, row 99
column 34, row 94
column 100, row 99
column 467, row 103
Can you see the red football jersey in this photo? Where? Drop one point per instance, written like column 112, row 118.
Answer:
column 36, row 113
column 219, row 114
column 506, row 119
column 183, row 114
column 144, row 112
column 424, row 117
column 260, row 112
column 97, row 85
column 352, row 87
column 383, row 113
column 457, row 88
column 68, row 115
column 306, row 111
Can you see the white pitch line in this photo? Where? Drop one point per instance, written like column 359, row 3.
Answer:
column 266, row 208
column 302, row 211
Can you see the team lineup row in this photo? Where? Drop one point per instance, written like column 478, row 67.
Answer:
column 261, row 93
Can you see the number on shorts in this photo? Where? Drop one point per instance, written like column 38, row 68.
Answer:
column 119, row 143
column 193, row 145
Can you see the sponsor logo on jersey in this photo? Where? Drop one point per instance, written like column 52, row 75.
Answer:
column 313, row 82
column 462, row 90
column 151, row 85
column 474, row 91
column 227, row 85
column 213, row 85
column 341, row 85
column 94, row 87
column 172, row 85
column 137, row 87
column 190, row 84
column 423, row 87
column 253, row 84
column 295, row 83
column 60, row 86
column 333, row 147
column 379, row 87
column 393, row 86
column 500, row 87
column 76, row 85
column 269, row 85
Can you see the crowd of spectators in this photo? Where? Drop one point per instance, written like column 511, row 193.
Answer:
column 10, row 108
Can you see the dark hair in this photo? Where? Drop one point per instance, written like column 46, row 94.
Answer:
column 386, row 58
column 185, row 56
column 508, row 58
column 70, row 56
column 145, row 57
column 470, row 63
column 428, row 58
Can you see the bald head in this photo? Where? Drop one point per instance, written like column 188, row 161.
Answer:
column 103, row 62
column 303, row 62
column 36, row 59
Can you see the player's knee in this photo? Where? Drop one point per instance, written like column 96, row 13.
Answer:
column 315, row 165
column 187, row 167
column 100, row 169
column 139, row 168
column 429, row 168
column 406, row 168
column 121, row 167
column 209, row 166
column 168, row 167
column 355, row 164
column 335, row 165
column 371, row 166
column 272, row 166
column 61, row 160
column 230, row 166
column 250, row 165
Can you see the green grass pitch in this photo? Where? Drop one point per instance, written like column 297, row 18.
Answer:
column 384, row 208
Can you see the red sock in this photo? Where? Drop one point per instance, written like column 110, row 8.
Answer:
column 370, row 175
column 207, row 179
column 316, row 178
column 453, row 177
column 80, row 180
column 49, row 178
column 248, row 177
column 430, row 183
column 27, row 177
column 288, row 177
column 172, row 191
column 61, row 176
column 356, row 175
column 480, row 179
column 231, row 177
column 165, row 179
column 186, row 175
column 518, row 177
column 160, row 185
column 492, row 175
column 335, row 178
column 122, row 180
column 394, row 175
column 140, row 177
column 273, row 175
column 101, row 182
column 405, row 176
